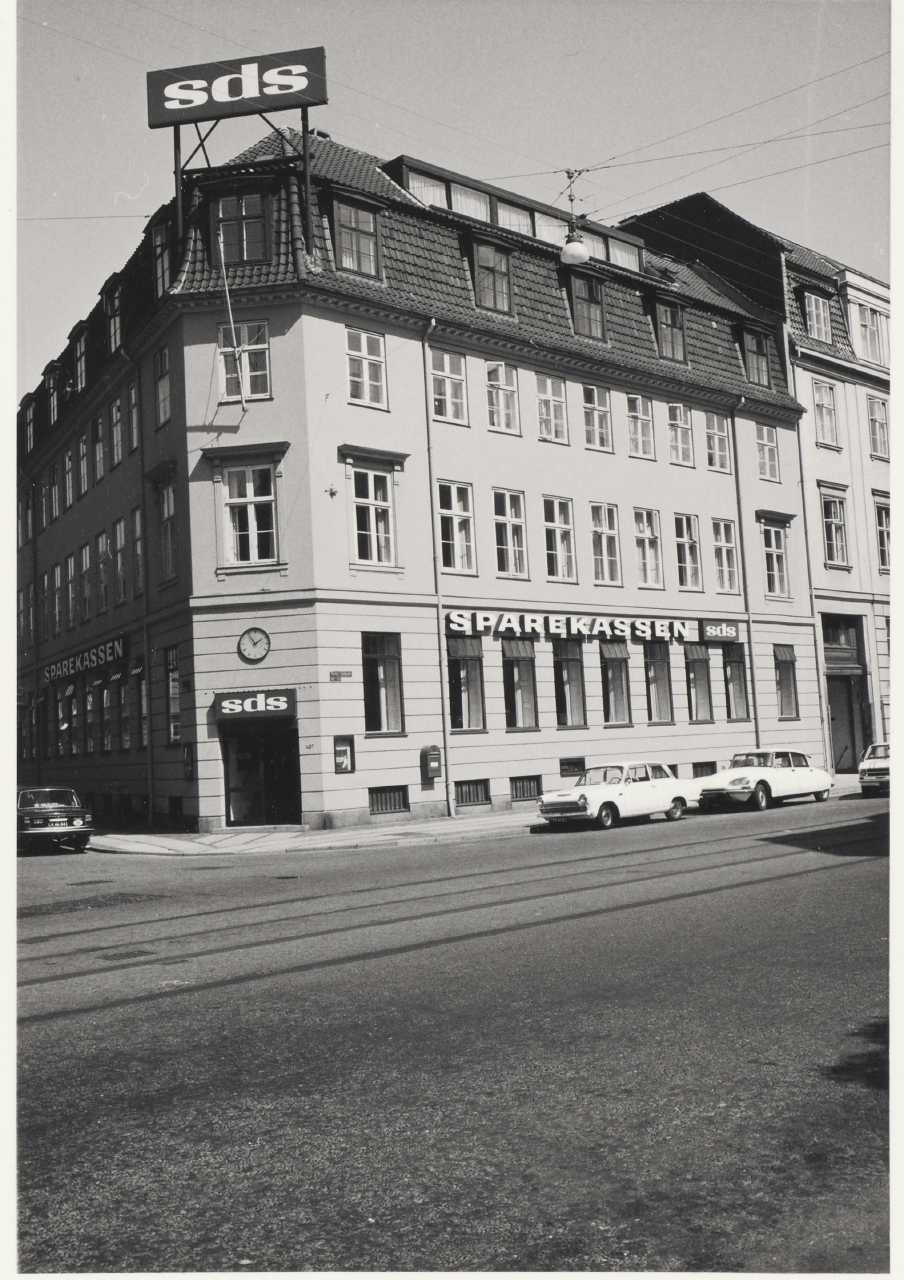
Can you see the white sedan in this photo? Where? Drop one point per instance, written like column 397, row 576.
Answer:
column 622, row 789
column 873, row 771
column 762, row 778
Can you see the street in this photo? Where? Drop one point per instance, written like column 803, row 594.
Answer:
column 662, row 1047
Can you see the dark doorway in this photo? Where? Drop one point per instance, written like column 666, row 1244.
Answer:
column 842, row 699
column 263, row 783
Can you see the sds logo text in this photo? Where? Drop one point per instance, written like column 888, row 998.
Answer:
column 719, row 630
column 255, row 702
column 236, row 87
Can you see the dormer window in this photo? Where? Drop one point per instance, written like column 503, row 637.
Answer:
column 492, row 278
column 873, row 327
column 756, row 357
column 670, row 331
column 112, row 309
column 356, row 239
column 819, row 322
column 52, row 388
column 81, row 361
column 160, row 244
column 588, row 307
column 240, row 228
column 29, row 427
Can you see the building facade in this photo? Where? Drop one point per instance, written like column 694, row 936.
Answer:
column 409, row 519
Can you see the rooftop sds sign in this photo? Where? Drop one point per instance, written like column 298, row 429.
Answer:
column 236, row 87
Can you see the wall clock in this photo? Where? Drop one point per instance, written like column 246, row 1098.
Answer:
column 254, row 644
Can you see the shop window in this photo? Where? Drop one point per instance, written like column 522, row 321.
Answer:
column 551, row 408
column 699, row 691
column 597, row 418
column 75, row 722
column 735, row 668
column 519, row 684
column 381, row 654
column 357, row 239
column 502, row 398
column 659, row 682
column 588, row 309
column 449, row 394
column 640, row 427
column 240, row 228
column 476, row 791
column 718, row 451
column 366, row 357
column 250, row 501
column 141, row 699
column 786, row 681
column 105, row 694
column 568, row 681
column 244, row 360
column 125, row 714
column 466, row 706
column 559, row 530
column 511, row 543
column 456, row 526
column 388, row 800
column 756, row 357
column 492, row 278
column 526, row 787
column 90, row 719
column 670, row 331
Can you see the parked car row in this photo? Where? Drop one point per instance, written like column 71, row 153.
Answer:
column 51, row 816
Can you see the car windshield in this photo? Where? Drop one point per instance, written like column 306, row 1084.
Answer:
column 49, row 798
column 605, row 775
column 878, row 751
column 751, row 759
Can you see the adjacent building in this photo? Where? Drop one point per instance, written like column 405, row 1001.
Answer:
column 410, row 516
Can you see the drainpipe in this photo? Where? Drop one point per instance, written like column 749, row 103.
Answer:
column 437, row 578
column 742, row 400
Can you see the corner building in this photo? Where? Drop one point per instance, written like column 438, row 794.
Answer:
column 417, row 519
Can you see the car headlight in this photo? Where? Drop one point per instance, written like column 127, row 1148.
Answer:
column 76, row 822
column 739, row 782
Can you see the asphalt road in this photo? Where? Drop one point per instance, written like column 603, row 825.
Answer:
column 658, row 1048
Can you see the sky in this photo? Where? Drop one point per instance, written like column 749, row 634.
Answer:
column 509, row 91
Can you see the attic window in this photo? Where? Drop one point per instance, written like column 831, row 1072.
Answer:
column 240, row 226
column 161, row 259
column 670, row 331
column 819, row 323
column 756, row 357
column 112, row 310
column 492, row 278
column 357, row 239
column 29, row 427
column 52, row 387
column 81, row 361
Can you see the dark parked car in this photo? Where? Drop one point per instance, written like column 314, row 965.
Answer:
column 48, row 816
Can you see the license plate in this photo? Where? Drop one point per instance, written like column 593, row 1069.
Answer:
column 59, row 822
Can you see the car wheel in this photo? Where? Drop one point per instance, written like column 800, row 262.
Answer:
column 761, row 797
column 606, row 817
column 820, row 795
column 676, row 809
column 80, row 844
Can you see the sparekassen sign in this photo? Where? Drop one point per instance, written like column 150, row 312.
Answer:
column 584, row 626
column 97, row 655
column 236, row 87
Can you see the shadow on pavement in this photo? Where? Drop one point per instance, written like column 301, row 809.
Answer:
column 865, row 839
column 867, row 1065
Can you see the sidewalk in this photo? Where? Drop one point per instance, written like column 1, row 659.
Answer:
column 494, row 826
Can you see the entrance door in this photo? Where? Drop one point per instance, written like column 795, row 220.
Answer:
column 263, row 786
column 841, row 714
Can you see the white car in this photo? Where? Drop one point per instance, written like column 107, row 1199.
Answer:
column 621, row 789
column 873, row 769
column 761, row 778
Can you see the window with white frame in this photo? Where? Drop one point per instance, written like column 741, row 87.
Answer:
column 699, row 685
column 113, row 309
column 511, row 542
column 834, row 532
column 786, row 681
column 551, row 408
column 681, row 435
column 640, row 427
column 465, row 659
column 52, row 387
column 725, row 555
column 558, row 527
column 133, row 415
column 250, row 512
column 614, row 659
column 873, row 329
column 241, row 228
column 718, row 452
column 456, row 525
column 657, row 669
column 85, row 582
column 29, row 427
column 138, row 550
column 120, row 581
column 366, row 357
column 97, row 445
column 819, row 323
column 606, row 557
column 449, row 396
column 71, row 615
column 115, row 434
column 767, row 451
column 102, row 545
column 53, row 485
column 877, row 412
column 588, row 307
column 244, row 360
column 82, row 465
column 597, row 418
column 735, row 669
column 162, row 384
column 883, row 535
column 374, row 532
column 824, row 411
column 167, row 508
column 502, row 398
column 775, row 552
column 57, row 587
column 381, row 655
column 81, row 361
column 670, row 331
column 646, row 544
column 356, row 236
column 568, row 683
column 687, row 550
column 492, row 277
column 519, row 683
column 160, row 242
column 756, row 357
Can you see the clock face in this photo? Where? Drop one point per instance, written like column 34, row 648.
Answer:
column 254, row 644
